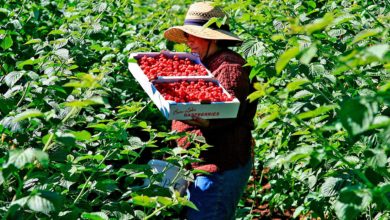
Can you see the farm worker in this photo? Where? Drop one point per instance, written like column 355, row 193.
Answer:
column 228, row 160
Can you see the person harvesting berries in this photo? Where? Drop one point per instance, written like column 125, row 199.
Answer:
column 228, row 160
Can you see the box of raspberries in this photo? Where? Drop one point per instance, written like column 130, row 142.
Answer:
column 181, row 86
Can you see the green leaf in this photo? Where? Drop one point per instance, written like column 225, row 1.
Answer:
column 40, row 204
column 1, row 178
column 255, row 95
column 9, row 123
column 140, row 214
column 385, row 87
column 132, row 60
column 85, row 103
column 98, row 157
column 87, row 81
column 144, row 201
column 42, row 157
column 101, row 127
column 31, row 61
column 108, row 57
column 21, row 202
column 296, row 84
column 385, row 188
column 379, row 50
column 357, row 115
column 349, row 196
column 277, row 37
column 130, row 110
column 21, row 64
column 376, row 157
column 319, row 24
column 311, row 4
column 33, row 41
column 127, row 33
column 82, row 135
column 342, row 19
column 56, row 199
column 185, row 202
column 94, row 216
column 365, row 34
column 4, row 11
column 308, row 55
column 33, row 75
column 29, row 113
column 7, row 42
column 346, row 211
column 262, row 90
column 46, row 138
column 285, row 58
column 213, row 20
column 13, row 77
column 373, row 176
column 63, row 54
column 298, row 154
column 337, row 32
column 298, row 211
column 19, row 158
column 331, row 186
column 56, row 32
column 107, row 185
column 166, row 201
column 380, row 121
column 136, row 141
column 352, row 200
column 316, row 112
column 82, row 158
column 67, row 139
column 58, row 43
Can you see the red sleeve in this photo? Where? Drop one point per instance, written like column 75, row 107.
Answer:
column 183, row 127
column 233, row 78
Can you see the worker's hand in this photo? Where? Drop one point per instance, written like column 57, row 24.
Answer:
column 196, row 121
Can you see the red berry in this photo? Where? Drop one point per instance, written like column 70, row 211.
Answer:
column 193, row 91
column 164, row 66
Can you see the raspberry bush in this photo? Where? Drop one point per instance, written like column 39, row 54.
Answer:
column 77, row 130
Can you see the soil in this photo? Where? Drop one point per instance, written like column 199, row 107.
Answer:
column 262, row 210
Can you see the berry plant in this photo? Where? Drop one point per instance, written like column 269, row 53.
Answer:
column 77, row 130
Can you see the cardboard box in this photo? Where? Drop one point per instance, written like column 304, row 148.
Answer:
column 191, row 56
column 184, row 111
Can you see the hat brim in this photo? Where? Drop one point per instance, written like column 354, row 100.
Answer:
column 176, row 34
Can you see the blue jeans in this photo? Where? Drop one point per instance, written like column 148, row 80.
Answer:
column 217, row 195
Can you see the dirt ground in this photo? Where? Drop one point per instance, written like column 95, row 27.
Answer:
column 262, row 210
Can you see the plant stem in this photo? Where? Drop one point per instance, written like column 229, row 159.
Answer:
column 155, row 212
column 46, row 147
column 128, row 121
column 21, row 9
column 376, row 20
column 20, row 186
column 70, row 113
column 24, row 94
column 93, row 173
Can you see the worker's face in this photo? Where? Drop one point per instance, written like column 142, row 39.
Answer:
column 198, row 45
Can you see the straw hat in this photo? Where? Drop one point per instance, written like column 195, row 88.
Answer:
column 199, row 14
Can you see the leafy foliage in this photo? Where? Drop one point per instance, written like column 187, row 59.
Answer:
column 323, row 118
column 77, row 130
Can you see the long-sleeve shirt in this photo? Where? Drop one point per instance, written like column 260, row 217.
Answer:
column 229, row 139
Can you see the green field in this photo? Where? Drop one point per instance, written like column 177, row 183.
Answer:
column 77, row 130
